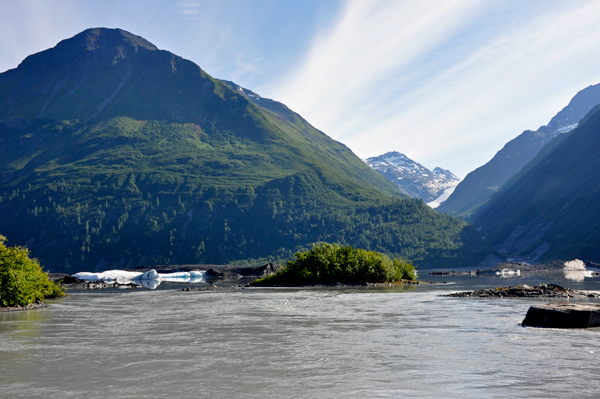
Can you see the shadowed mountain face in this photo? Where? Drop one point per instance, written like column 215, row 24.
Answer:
column 479, row 185
column 114, row 153
column 551, row 209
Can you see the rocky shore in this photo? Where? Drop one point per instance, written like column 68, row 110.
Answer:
column 213, row 288
column 357, row 284
column 34, row 305
column 525, row 291
column 69, row 282
column 333, row 285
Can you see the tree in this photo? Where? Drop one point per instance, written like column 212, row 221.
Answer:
column 22, row 280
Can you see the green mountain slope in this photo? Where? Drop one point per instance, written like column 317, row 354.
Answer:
column 551, row 209
column 479, row 185
column 114, row 153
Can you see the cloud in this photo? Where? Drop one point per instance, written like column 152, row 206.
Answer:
column 189, row 8
column 448, row 83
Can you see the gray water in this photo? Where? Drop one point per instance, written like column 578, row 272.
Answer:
column 294, row 343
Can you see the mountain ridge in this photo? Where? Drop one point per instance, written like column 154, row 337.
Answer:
column 479, row 185
column 549, row 210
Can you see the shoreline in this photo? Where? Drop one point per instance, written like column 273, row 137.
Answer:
column 32, row 306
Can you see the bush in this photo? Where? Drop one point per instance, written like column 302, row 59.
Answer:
column 327, row 263
column 22, row 280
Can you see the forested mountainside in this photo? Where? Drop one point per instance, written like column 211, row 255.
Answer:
column 117, row 154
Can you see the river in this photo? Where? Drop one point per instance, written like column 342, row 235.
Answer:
column 367, row 342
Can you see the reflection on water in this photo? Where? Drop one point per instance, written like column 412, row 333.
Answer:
column 153, row 284
column 577, row 275
column 573, row 275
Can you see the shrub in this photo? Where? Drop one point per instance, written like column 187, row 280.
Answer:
column 22, row 280
column 326, row 263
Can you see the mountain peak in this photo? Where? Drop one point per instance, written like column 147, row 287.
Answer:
column 101, row 73
column 411, row 177
column 445, row 173
column 105, row 41
column 97, row 37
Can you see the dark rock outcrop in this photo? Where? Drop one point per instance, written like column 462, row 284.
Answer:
column 231, row 272
column 563, row 315
column 64, row 279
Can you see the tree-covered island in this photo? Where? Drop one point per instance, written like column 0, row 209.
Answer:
column 331, row 263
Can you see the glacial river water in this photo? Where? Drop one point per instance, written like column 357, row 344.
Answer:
column 295, row 343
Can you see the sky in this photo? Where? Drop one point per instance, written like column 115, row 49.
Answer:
column 447, row 83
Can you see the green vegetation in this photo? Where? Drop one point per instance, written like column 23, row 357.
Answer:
column 22, row 280
column 140, row 158
column 326, row 264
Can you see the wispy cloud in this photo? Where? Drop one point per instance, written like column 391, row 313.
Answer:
column 446, row 82
column 189, row 8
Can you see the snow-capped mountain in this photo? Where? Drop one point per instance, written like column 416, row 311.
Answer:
column 414, row 179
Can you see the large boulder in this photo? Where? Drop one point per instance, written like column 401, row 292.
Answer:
column 563, row 315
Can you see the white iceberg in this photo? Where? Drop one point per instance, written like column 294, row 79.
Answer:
column 150, row 279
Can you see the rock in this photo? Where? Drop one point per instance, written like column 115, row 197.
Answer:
column 70, row 280
column 543, row 290
column 269, row 268
column 563, row 315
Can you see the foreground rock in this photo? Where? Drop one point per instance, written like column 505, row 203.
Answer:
column 525, row 291
column 563, row 315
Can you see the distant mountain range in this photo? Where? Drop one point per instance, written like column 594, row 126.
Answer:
column 551, row 208
column 115, row 154
column 479, row 185
column 414, row 179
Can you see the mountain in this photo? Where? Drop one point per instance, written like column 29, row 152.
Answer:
column 414, row 179
column 551, row 209
column 115, row 154
column 479, row 185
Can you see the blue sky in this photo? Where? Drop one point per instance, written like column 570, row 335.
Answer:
column 448, row 83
